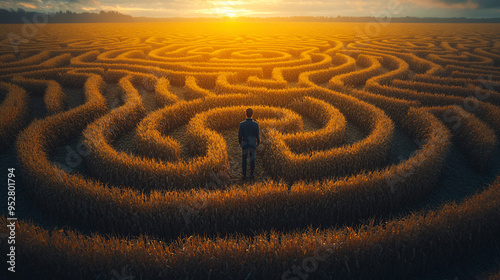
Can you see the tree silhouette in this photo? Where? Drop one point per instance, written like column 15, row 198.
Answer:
column 22, row 16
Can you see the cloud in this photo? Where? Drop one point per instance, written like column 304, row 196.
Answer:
column 482, row 4
column 446, row 4
column 458, row 4
column 28, row 5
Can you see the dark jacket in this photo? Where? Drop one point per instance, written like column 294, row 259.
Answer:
column 248, row 134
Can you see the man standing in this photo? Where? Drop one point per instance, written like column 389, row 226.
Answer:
column 249, row 139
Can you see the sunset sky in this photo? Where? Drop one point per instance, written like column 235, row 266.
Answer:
column 260, row 8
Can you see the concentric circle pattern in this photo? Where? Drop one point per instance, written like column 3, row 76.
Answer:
column 377, row 160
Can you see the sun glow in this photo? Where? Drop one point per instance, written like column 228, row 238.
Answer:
column 227, row 12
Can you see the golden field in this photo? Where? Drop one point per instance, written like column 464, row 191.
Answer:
column 379, row 155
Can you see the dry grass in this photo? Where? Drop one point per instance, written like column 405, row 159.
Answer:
column 159, row 186
column 13, row 113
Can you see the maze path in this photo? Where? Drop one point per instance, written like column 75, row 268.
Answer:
column 172, row 99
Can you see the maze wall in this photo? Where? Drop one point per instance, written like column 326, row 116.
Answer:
column 126, row 136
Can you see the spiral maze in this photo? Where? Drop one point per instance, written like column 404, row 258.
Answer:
column 129, row 144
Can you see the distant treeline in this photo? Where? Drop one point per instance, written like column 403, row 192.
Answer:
column 383, row 19
column 22, row 16
column 327, row 19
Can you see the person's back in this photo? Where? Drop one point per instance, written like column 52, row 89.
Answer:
column 249, row 139
column 249, row 132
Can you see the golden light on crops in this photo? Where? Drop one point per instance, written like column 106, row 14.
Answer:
column 379, row 155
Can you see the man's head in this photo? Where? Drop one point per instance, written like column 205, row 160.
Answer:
column 249, row 112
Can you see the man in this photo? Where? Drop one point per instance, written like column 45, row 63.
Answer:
column 249, row 139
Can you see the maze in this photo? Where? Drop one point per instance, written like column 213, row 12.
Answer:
column 126, row 137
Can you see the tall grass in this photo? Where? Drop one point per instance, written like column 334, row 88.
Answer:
column 328, row 105
column 424, row 242
column 53, row 96
column 13, row 113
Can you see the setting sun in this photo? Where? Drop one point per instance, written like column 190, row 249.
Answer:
column 226, row 11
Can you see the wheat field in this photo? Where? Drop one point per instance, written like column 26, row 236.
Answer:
column 379, row 155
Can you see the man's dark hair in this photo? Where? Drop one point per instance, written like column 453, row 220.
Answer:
column 249, row 112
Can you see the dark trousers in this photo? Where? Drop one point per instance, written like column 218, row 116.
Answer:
column 245, row 153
